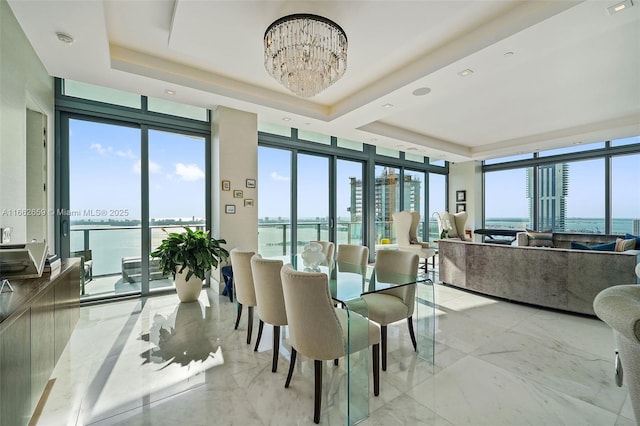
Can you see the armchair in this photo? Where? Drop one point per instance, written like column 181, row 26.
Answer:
column 86, row 266
column 406, row 225
column 453, row 223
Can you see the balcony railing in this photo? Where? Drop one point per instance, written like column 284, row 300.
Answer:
column 110, row 244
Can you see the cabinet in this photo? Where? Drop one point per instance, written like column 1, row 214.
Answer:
column 36, row 322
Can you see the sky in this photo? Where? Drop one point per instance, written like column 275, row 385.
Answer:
column 105, row 180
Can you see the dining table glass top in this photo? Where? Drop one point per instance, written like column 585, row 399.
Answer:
column 348, row 281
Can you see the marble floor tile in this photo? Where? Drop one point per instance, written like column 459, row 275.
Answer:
column 158, row 362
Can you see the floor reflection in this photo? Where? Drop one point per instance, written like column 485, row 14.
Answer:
column 182, row 338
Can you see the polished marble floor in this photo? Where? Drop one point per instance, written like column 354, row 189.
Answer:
column 159, row 362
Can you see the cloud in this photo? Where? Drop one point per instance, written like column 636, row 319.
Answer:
column 189, row 172
column 153, row 167
column 276, row 176
column 100, row 149
column 126, row 154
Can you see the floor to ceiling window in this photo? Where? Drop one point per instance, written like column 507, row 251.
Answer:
column 437, row 202
column 176, row 191
column 386, row 202
column 123, row 166
column 104, row 194
column 591, row 190
column 274, row 210
column 313, row 199
column 349, row 202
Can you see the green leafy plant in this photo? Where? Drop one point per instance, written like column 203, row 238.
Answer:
column 196, row 250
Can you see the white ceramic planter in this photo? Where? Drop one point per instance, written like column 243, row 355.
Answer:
column 188, row 291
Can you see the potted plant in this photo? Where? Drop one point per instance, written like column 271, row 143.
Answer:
column 187, row 256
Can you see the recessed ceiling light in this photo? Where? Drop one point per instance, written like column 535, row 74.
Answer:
column 465, row 73
column 619, row 7
column 65, row 38
column 577, row 143
column 170, row 92
column 286, row 119
column 412, row 148
column 387, row 106
column 421, row 91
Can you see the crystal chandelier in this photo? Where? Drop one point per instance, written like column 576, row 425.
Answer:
column 305, row 53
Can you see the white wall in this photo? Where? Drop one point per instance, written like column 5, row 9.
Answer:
column 467, row 176
column 235, row 158
column 24, row 82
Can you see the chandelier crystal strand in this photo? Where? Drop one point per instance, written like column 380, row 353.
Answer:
column 305, row 53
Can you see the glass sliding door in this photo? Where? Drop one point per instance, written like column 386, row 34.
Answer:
column 104, row 203
column 508, row 198
column 387, row 202
column 414, row 198
column 625, row 197
column 349, row 202
column 274, row 201
column 177, row 196
column 437, row 202
column 313, row 199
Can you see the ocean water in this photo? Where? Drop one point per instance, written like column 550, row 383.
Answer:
column 110, row 244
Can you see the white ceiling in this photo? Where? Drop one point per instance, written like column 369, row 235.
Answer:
column 573, row 75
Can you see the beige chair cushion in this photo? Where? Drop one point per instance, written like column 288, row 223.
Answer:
column 242, row 276
column 385, row 309
column 354, row 254
column 268, row 288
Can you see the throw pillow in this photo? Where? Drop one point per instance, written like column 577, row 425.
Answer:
column 624, row 245
column 540, row 238
column 637, row 238
column 605, row 247
column 578, row 246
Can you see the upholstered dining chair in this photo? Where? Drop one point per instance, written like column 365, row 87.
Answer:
column 354, row 254
column 270, row 309
column 319, row 331
column 406, row 225
column 395, row 304
column 328, row 248
column 243, row 285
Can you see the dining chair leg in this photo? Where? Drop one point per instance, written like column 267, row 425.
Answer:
column 250, row 324
column 292, row 364
column 317, row 398
column 412, row 334
column 260, row 326
column 335, row 361
column 376, row 369
column 276, row 348
column 239, row 315
column 383, row 340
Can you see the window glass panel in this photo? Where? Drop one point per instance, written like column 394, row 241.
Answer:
column 507, row 159
column 409, row 156
column 437, row 202
column 310, row 136
column 387, row 152
column 625, row 195
column 313, row 199
column 274, row 210
column 346, row 143
column 180, row 110
column 274, row 129
column 507, row 199
column 176, row 167
column 387, row 202
column 349, row 202
column 572, row 148
column 101, row 94
column 414, row 193
column 437, row 162
column 626, row 141
column 104, row 185
column 571, row 197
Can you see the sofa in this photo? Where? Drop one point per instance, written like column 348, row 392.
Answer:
column 558, row 278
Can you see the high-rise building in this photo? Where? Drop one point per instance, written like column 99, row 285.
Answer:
column 553, row 188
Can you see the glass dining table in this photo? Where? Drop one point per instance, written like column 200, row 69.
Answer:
column 347, row 284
